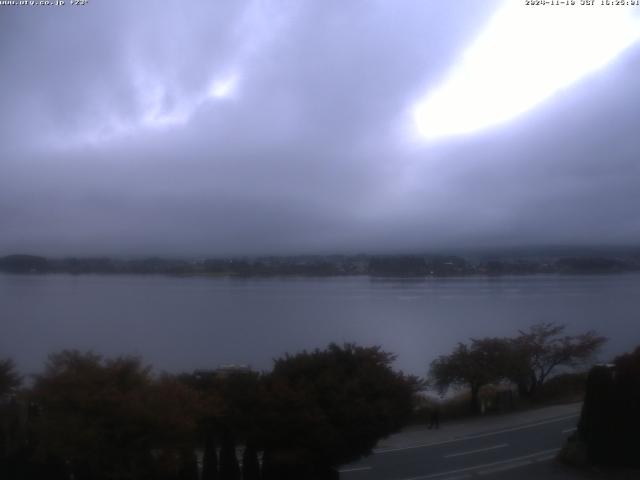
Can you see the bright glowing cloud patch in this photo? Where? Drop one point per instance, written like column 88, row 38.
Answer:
column 524, row 55
column 224, row 87
column 159, row 115
column 160, row 107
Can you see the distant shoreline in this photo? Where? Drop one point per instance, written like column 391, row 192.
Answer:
column 373, row 266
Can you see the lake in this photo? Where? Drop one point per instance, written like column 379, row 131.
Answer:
column 181, row 324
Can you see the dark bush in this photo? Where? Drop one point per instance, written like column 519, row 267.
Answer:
column 610, row 420
column 563, row 387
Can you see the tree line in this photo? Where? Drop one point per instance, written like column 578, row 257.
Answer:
column 330, row 265
column 526, row 360
column 88, row 417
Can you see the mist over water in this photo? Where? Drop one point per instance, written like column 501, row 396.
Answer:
column 179, row 324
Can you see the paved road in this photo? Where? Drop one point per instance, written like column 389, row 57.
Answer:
column 488, row 449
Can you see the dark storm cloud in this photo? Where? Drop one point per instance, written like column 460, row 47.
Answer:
column 112, row 144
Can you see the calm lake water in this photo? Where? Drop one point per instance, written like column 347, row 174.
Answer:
column 186, row 323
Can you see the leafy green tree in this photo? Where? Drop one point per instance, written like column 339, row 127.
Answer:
column 229, row 468
column 482, row 362
column 210, row 459
column 12, row 438
column 92, row 412
column 172, row 412
column 250, row 465
column 10, row 380
column 105, row 417
column 188, row 465
column 231, row 400
column 541, row 350
column 328, row 407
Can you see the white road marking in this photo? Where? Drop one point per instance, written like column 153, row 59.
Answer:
column 480, row 435
column 567, row 430
column 354, row 469
column 469, row 452
column 546, row 458
column 514, row 460
column 504, row 468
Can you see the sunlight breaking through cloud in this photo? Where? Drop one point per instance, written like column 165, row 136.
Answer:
column 223, row 87
column 524, row 56
column 160, row 107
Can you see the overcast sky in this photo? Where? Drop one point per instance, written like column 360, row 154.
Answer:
column 237, row 127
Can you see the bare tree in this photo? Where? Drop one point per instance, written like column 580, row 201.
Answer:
column 543, row 348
